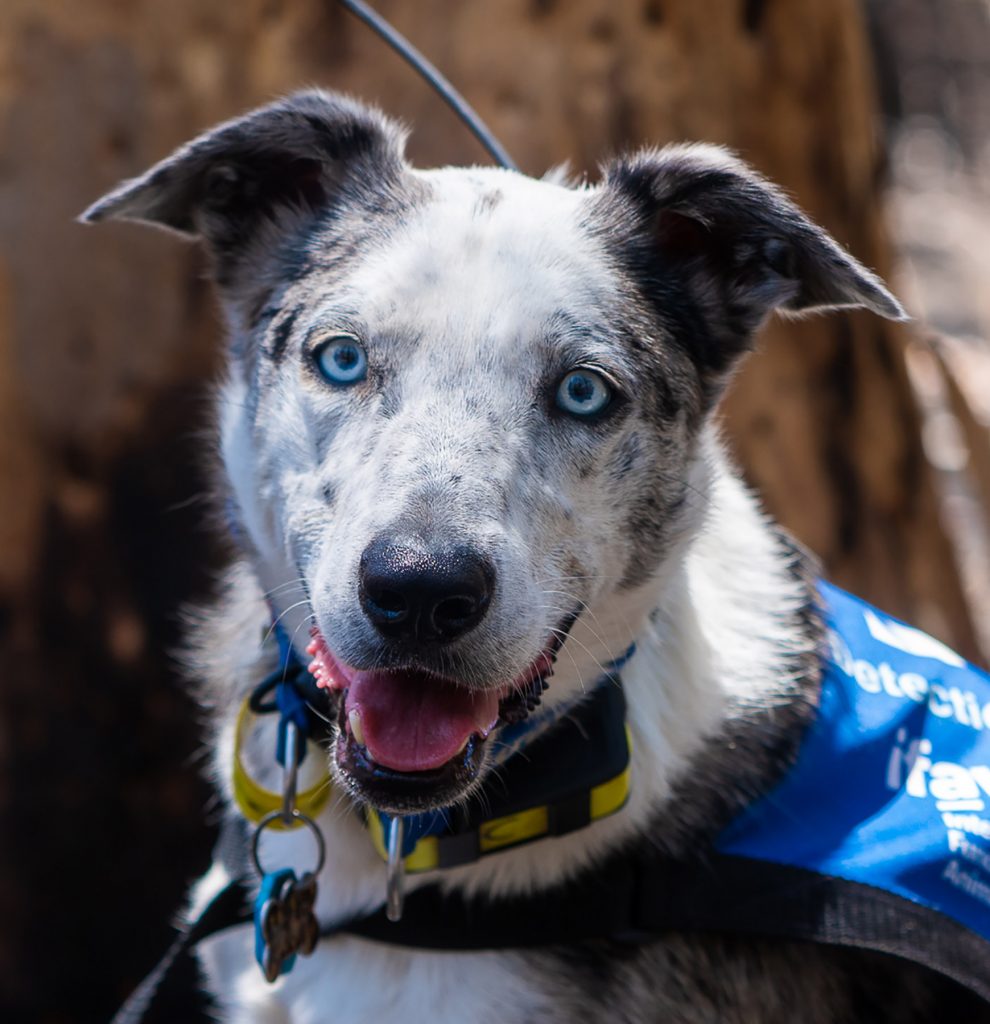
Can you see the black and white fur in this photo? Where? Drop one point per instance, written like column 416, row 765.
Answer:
column 474, row 290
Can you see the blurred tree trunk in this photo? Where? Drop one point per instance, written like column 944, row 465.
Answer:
column 106, row 339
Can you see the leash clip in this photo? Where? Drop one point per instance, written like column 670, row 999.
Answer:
column 290, row 771
column 395, row 883
column 285, row 922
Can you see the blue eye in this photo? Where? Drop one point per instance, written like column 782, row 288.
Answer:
column 583, row 393
column 342, row 360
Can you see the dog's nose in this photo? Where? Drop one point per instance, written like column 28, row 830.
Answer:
column 413, row 591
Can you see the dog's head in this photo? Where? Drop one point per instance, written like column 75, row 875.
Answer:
column 464, row 406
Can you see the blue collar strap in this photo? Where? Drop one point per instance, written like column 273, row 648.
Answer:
column 297, row 698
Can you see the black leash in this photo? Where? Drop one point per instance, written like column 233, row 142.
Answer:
column 438, row 81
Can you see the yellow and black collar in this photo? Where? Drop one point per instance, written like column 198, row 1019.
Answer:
column 561, row 782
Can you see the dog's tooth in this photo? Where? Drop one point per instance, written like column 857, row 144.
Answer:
column 354, row 721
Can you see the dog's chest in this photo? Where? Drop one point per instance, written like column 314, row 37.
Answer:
column 352, row 981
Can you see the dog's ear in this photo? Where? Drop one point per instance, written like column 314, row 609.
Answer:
column 272, row 168
column 695, row 220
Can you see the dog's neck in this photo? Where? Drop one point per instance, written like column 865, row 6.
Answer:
column 716, row 693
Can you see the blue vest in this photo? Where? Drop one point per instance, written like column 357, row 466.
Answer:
column 891, row 789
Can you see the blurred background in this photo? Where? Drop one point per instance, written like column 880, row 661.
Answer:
column 869, row 440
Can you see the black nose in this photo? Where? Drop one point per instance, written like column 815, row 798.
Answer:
column 411, row 590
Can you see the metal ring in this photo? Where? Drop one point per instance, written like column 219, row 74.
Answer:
column 297, row 816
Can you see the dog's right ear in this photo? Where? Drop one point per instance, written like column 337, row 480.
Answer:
column 697, row 228
column 277, row 165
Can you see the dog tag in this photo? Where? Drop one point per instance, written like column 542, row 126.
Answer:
column 284, row 921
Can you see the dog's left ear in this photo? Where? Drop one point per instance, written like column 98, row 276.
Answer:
column 696, row 220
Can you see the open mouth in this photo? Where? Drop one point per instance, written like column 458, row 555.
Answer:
column 408, row 739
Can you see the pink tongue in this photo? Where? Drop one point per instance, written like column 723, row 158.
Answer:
column 413, row 722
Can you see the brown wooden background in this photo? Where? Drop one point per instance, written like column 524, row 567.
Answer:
column 108, row 340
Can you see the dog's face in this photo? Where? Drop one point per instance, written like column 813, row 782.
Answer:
column 464, row 405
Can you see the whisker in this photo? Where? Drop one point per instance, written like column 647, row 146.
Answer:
column 570, row 654
column 278, row 618
column 585, row 608
column 624, row 621
column 295, row 633
column 298, row 582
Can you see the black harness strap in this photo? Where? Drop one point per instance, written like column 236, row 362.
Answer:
column 637, row 899
column 633, row 898
column 172, row 991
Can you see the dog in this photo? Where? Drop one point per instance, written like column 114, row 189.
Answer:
column 467, row 431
